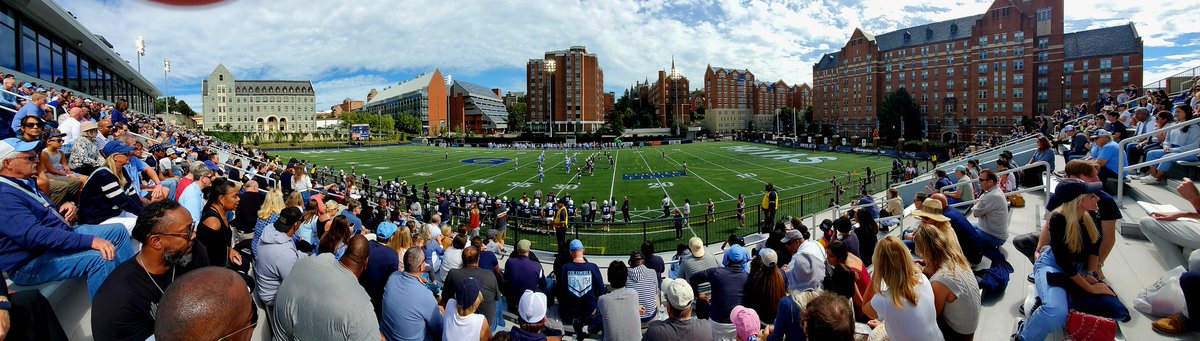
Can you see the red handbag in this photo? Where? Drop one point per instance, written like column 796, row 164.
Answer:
column 1088, row 327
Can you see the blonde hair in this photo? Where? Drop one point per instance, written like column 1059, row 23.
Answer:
column 939, row 250
column 119, row 172
column 273, row 204
column 401, row 241
column 331, row 207
column 295, row 200
column 1074, row 234
column 894, row 267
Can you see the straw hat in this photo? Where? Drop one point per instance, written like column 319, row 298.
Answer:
column 932, row 209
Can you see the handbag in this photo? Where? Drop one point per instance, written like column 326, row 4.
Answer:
column 1088, row 327
column 1016, row 200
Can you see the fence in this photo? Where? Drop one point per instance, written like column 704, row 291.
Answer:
column 619, row 238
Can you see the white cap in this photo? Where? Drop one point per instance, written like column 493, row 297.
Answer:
column 678, row 293
column 532, row 307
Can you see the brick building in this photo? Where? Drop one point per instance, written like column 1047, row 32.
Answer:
column 423, row 97
column 801, row 96
column 565, row 92
column 982, row 73
column 347, row 105
column 476, row 108
column 668, row 97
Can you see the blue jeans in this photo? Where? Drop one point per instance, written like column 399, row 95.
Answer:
column 171, row 185
column 56, row 266
column 1165, row 166
column 1057, row 302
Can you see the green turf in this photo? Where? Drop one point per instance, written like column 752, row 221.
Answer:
column 716, row 170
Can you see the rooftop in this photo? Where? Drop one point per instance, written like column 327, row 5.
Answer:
column 1115, row 40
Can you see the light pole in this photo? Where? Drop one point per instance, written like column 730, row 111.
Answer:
column 166, row 84
column 675, row 94
column 549, row 67
column 141, row 51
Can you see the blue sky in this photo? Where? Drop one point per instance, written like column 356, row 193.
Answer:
column 347, row 48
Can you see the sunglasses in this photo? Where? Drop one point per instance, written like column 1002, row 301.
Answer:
column 33, row 125
column 253, row 323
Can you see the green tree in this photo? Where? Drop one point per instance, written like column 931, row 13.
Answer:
column 408, row 123
column 786, row 117
column 698, row 114
column 518, row 117
column 616, row 123
column 160, row 106
column 898, row 110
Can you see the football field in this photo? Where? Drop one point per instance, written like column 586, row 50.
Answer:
column 719, row 171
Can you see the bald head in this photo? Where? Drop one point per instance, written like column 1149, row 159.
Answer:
column 940, row 197
column 355, row 257
column 251, row 186
column 205, row 304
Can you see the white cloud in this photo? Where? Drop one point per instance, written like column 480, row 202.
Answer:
column 346, row 48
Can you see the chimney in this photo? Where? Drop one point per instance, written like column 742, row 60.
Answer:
column 497, row 92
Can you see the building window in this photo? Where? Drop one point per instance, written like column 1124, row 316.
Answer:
column 1068, row 67
column 1085, row 66
column 1125, row 77
column 1019, row 51
column 1106, row 63
column 1018, row 65
column 1106, row 78
column 1018, row 93
column 1018, row 107
column 1067, row 80
column 1043, row 43
column 982, row 81
column 1018, row 79
column 1067, row 94
column 1125, row 61
column 1043, row 69
column 1043, row 14
column 983, row 68
column 1043, row 56
column 1019, row 36
column 1085, row 93
column 1085, row 79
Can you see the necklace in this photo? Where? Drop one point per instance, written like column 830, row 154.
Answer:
column 160, row 289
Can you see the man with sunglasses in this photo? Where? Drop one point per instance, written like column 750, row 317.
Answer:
column 127, row 303
column 33, row 108
column 37, row 243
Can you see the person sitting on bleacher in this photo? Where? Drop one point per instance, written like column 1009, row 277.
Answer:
column 1178, row 141
column 964, row 191
column 1143, row 123
column 110, row 195
column 1177, row 235
column 1078, row 144
column 124, row 305
column 38, row 245
column 992, row 211
column 1104, row 153
column 1109, row 214
column 1066, row 275
column 968, row 235
column 955, row 291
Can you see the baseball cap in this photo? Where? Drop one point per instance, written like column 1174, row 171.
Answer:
column 745, row 321
column 805, row 272
column 88, row 125
column 468, row 291
column 27, row 85
column 385, row 230
column 576, row 245
column 1069, row 189
column 1068, row 128
column 792, row 235
column 491, row 234
column 15, row 145
column 633, row 256
column 532, row 306
column 769, row 257
column 288, row 218
column 1101, row 133
column 960, row 168
column 523, row 245
column 678, row 293
column 696, row 246
column 736, row 255
column 116, row 147
column 57, row 134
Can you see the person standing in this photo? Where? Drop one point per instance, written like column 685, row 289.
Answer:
column 579, row 295
column 770, row 204
column 561, row 221
column 625, row 209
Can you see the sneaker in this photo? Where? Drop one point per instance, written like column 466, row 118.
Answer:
column 1016, row 333
column 1172, row 325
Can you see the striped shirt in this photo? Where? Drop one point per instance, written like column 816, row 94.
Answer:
column 644, row 281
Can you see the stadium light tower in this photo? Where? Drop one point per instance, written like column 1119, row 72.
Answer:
column 549, row 67
column 141, row 51
column 166, row 84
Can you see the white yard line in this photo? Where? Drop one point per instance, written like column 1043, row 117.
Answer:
column 612, row 186
column 773, row 168
column 526, row 180
column 705, row 181
column 723, row 167
column 664, row 189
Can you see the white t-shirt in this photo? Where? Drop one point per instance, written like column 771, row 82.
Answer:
column 70, row 126
column 909, row 322
column 458, row 327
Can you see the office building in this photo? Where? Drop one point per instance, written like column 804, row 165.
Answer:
column 423, row 96
column 565, row 92
column 475, row 108
column 257, row 105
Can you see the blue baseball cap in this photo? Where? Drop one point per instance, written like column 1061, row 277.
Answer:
column 115, row 147
column 576, row 245
column 736, row 255
column 468, row 291
column 15, row 145
column 385, row 230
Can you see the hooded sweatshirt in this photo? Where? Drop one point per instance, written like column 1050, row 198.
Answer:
column 276, row 255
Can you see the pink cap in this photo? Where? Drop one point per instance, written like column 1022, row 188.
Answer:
column 746, row 321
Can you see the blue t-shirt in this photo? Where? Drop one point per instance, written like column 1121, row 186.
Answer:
column 382, row 261
column 26, row 110
column 488, row 260
column 410, row 312
column 520, row 273
column 1110, row 152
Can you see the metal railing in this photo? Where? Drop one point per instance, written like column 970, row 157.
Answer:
column 1122, row 169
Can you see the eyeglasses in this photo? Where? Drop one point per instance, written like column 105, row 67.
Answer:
column 253, row 323
column 188, row 235
column 32, row 125
column 32, row 158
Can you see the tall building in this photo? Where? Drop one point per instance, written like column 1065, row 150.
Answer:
column 727, row 102
column 424, row 97
column 668, row 97
column 801, row 96
column 347, row 105
column 477, row 109
column 978, row 74
column 40, row 42
column 565, row 92
column 257, row 105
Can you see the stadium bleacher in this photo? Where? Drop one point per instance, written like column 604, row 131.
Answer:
column 1134, row 265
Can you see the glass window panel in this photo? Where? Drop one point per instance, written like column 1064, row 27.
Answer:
column 44, row 64
column 8, row 42
column 29, row 56
column 72, row 70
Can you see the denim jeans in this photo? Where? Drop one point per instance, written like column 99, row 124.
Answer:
column 171, row 185
column 1057, row 302
column 1165, row 166
column 56, row 266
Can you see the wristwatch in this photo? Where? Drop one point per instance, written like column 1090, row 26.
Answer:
column 5, row 305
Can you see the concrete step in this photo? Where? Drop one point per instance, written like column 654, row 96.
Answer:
column 1131, row 214
column 1158, row 194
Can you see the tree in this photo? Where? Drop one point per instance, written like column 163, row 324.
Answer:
column 899, row 112
column 408, row 123
column 160, row 106
column 518, row 117
column 698, row 114
column 616, row 123
column 786, row 119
